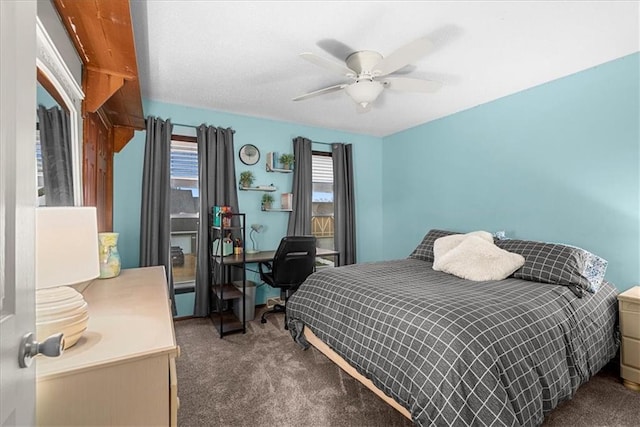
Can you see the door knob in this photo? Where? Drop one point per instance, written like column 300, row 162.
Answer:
column 30, row 348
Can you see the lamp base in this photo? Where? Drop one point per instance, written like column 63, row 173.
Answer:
column 251, row 251
column 61, row 309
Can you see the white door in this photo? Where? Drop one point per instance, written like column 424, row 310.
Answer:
column 17, row 201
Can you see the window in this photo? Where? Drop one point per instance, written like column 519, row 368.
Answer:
column 184, row 210
column 322, row 201
column 39, row 172
column 184, row 169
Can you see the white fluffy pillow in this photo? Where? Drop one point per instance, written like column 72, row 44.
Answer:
column 443, row 245
column 479, row 260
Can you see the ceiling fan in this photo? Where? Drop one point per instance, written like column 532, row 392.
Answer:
column 372, row 73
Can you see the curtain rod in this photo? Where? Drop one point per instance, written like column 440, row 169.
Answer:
column 195, row 127
column 178, row 124
column 186, row 125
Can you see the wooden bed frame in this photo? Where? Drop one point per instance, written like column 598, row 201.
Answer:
column 338, row 360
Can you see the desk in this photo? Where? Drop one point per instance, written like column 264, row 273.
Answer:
column 266, row 256
column 225, row 290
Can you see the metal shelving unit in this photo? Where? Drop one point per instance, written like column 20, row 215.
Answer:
column 223, row 291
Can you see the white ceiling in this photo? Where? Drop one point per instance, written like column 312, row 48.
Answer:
column 242, row 57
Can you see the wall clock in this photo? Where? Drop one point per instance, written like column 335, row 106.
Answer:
column 249, row 154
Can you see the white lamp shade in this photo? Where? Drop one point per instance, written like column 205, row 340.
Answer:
column 66, row 246
column 364, row 92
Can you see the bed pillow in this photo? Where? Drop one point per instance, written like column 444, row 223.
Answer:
column 444, row 244
column 477, row 259
column 424, row 251
column 549, row 263
column 595, row 267
column 594, row 271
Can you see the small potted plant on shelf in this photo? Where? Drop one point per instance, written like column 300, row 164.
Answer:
column 246, row 179
column 267, row 200
column 287, row 161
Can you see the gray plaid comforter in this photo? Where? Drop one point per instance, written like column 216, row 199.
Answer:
column 456, row 352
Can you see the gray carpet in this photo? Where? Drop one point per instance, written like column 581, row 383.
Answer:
column 262, row 378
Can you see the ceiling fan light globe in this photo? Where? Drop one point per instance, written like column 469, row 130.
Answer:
column 364, row 92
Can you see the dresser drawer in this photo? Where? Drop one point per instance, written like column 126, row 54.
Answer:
column 629, row 312
column 630, row 319
column 630, row 374
column 174, row 401
column 630, row 352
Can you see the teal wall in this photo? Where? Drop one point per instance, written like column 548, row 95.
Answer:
column 267, row 135
column 558, row 162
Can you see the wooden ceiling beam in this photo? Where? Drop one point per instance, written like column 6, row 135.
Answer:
column 99, row 87
column 102, row 32
column 121, row 136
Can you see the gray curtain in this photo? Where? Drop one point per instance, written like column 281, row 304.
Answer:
column 217, row 181
column 57, row 164
column 300, row 218
column 155, row 217
column 344, row 203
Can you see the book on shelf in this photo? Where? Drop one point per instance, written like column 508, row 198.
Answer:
column 286, row 200
column 217, row 211
column 272, row 161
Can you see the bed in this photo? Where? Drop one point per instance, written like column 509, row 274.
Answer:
column 450, row 351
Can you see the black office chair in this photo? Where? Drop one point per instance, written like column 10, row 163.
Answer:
column 292, row 263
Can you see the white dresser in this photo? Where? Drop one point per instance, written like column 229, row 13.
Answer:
column 122, row 371
column 629, row 308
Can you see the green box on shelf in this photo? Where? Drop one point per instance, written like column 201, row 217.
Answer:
column 227, row 247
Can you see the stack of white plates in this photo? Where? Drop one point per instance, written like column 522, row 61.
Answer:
column 63, row 310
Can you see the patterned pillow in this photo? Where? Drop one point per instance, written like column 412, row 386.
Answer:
column 424, row 250
column 550, row 263
column 595, row 268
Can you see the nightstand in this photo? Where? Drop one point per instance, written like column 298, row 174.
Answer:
column 629, row 308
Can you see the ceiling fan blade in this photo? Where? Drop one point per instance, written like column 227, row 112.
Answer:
column 320, row 92
column 336, row 48
column 328, row 64
column 405, row 84
column 403, row 56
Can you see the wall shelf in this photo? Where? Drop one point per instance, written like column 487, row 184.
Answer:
column 270, row 169
column 268, row 188
column 272, row 158
column 277, row 210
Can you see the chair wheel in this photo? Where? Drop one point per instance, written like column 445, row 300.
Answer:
column 263, row 320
